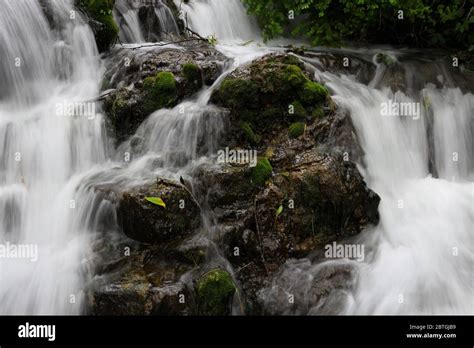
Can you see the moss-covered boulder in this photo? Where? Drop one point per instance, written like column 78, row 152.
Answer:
column 193, row 75
column 146, row 222
column 143, row 81
column 160, row 91
column 214, row 293
column 101, row 20
column 268, row 95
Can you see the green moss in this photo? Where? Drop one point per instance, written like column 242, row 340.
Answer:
column 290, row 59
column 298, row 110
column 270, row 115
column 296, row 129
column 192, row 74
column 238, row 94
column 214, row 293
column 101, row 11
column 318, row 112
column 118, row 105
column 384, row 58
column 313, row 93
column 294, row 76
column 249, row 133
column 262, row 171
column 161, row 91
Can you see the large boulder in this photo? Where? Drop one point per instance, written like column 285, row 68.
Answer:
column 140, row 81
column 268, row 95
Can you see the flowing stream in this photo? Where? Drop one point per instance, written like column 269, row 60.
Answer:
column 419, row 259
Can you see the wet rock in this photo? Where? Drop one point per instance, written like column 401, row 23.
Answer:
column 268, row 95
column 135, row 78
column 148, row 282
column 101, row 20
column 148, row 223
column 214, row 293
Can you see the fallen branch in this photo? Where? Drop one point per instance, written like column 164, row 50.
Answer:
column 160, row 44
column 259, row 235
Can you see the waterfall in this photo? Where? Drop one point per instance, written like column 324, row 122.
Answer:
column 418, row 259
column 47, row 142
column 226, row 20
column 54, row 152
column 155, row 21
column 422, row 249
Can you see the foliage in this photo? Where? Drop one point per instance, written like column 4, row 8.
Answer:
column 425, row 23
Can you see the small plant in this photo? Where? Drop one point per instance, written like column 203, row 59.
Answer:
column 211, row 40
column 278, row 213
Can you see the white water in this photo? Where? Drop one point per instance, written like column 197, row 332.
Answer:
column 132, row 30
column 423, row 250
column 35, row 191
column 225, row 20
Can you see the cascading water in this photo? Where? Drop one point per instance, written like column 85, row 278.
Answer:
column 155, row 21
column 419, row 259
column 46, row 146
column 225, row 20
column 422, row 261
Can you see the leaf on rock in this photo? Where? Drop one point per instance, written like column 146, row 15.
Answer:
column 156, row 201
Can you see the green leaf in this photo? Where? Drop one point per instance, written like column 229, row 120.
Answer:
column 156, row 201
column 279, row 211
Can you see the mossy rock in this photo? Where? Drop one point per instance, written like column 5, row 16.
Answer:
column 238, row 94
column 297, row 109
column 160, row 91
column 249, row 133
column 105, row 29
column 270, row 94
column 318, row 112
column 192, row 74
column 294, row 76
column 262, row 171
column 268, row 116
column 383, row 58
column 214, row 293
column 313, row 93
column 296, row 129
